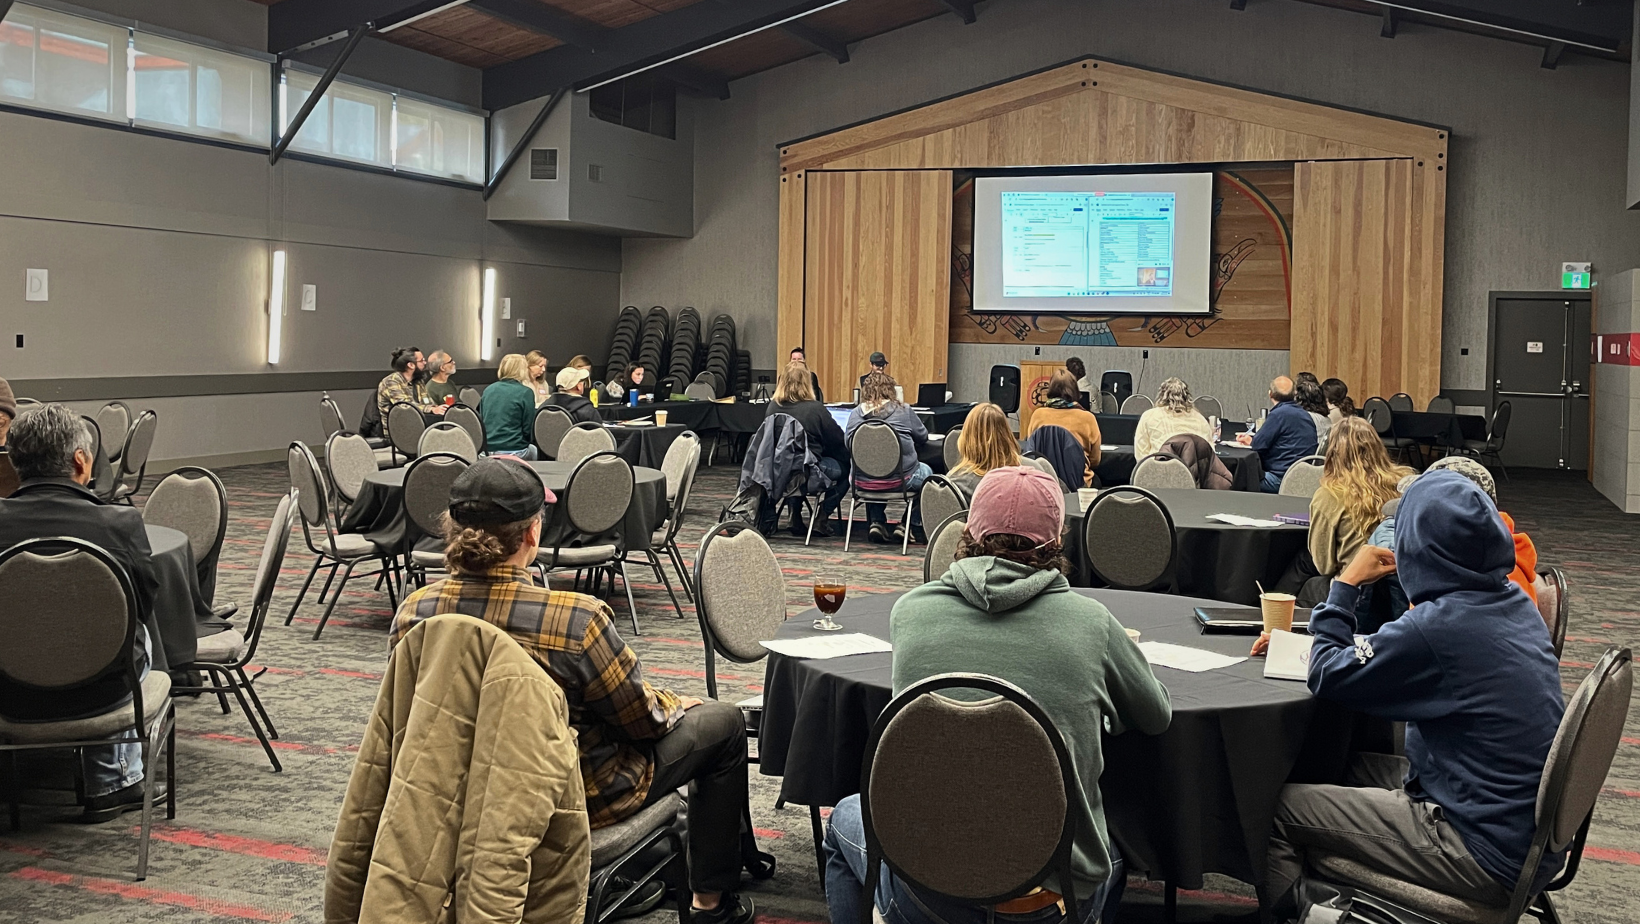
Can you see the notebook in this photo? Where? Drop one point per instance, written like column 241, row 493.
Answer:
column 1242, row 620
column 1288, row 657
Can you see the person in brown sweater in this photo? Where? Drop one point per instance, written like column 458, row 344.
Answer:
column 1062, row 410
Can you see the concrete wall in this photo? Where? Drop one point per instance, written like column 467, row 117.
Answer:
column 1538, row 157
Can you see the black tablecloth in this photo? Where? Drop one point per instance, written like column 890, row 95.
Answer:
column 1117, row 428
column 1213, row 559
column 1438, row 429
column 1246, row 469
column 646, row 445
column 1196, row 799
column 691, row 414
column 941, row 419
column 378, row 512
column 180, row 615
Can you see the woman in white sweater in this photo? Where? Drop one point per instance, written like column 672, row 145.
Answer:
column 1173, row 414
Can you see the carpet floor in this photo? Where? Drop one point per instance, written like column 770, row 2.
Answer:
column 249, row 844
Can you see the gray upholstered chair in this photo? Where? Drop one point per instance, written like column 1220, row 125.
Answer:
column 551, row 423
column 139, row 441
column 1041, row 465
column 1108, row 404
column 1303, row 479
column 449, row 437
column 875, row 449
column 1441, row 404
column 463, row 416
column 1573, row 775
column 113, row 421
column 330, row 547
column 951, row 449
column 639, row 848
column 469, row 396
column 1127, row 536
column 942, row 544
column 741, row 601
column 225, row 655
column 1003, row 804
column 679, row 466
column 700, row 391
column 330, row 416
column 583, row 440
column 1160, row 471
column 1401, row 401
column 427, row 483
column 940, row 499
column 193, row 501
column 1209, row 407
column 598, row 493
column 1137, row 404
column 349, row 458
column 1555, row 603
column 80, row 626
column 404, row 428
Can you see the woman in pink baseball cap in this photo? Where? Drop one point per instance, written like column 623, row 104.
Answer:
column 1005, row 609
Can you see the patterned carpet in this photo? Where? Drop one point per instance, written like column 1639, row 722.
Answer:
column 249, row 844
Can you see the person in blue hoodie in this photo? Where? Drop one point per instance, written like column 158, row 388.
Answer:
column 1470, row 669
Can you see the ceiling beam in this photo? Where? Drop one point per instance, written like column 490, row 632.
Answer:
column 640, row 46
column 817, row 40
column 963, row 8
column 1387, row 30
column 1552, row 53
column 538, row 17
column 296, row 25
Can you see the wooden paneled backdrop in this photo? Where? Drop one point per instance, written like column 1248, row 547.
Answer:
column 1360, row 294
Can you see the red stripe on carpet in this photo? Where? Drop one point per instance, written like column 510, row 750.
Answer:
column 1585, row 665
column 277, row 745
column 361, row 675
column 1625, row 793
column 768, row 832
column 1609, row 855
column 247, row 846
column 25, row 851
column 142, row 893
column 1630, row 740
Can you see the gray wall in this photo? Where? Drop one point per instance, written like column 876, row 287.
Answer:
column 1538, row 157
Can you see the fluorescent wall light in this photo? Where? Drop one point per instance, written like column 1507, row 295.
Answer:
column 486, row 346
column 276, row 306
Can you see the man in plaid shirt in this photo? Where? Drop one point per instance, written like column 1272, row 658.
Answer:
column 638, row 744
column 404, row 384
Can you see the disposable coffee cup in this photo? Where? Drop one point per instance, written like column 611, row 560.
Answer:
column 1278, row 611
column 660, row 418
column 1085, row 496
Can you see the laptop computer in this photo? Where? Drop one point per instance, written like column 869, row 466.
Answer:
column 931, row 394
column 841, row 415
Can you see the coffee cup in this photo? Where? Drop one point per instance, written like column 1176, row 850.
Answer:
column 660, row 418
column 1278, row 611
column 1085, row 496
column 449, row 400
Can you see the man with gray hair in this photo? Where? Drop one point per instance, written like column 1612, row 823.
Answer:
column 52, row 448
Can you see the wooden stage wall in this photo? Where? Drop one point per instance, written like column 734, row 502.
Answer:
column 1327, row 240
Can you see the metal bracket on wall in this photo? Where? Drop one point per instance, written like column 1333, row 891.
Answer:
column 524, row 141
column 354, row 36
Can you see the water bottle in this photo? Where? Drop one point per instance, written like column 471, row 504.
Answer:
column 1218, row 430
column 632, row 397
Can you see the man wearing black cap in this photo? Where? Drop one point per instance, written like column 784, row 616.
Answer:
column 638, row 743
column 879, row 363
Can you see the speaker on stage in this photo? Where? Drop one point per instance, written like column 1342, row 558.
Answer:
column 1118, row 382
column 1005, row 388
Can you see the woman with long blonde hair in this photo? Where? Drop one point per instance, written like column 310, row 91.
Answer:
column 1356, row 482
column 986, row 442
column 794, row 396
column 536, row 378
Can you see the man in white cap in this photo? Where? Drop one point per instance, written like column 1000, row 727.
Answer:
column 1005, row 609
column 572, row 395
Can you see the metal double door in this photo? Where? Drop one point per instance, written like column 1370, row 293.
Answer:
column 1540, row 365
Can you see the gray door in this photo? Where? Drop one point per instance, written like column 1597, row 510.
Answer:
column 1540, row 365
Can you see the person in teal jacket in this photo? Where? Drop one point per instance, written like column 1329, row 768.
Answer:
column 508, row 410
column 1005, row 609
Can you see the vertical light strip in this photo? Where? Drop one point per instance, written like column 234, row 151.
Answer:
column 276, row 306
column 486, row 347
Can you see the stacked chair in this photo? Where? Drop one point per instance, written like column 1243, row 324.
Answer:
column 685, row 342
column 720, row 354
column 657, row 330
column 623, row 342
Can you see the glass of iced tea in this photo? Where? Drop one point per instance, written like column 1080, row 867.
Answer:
column 829, row 591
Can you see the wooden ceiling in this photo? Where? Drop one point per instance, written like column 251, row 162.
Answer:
column 469, row 36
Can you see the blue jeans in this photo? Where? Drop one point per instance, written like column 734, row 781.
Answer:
column 845, row 847
column 878, row 513
column 839, row 486
column 1271, row 483
column 117, row 766
column 528, row 453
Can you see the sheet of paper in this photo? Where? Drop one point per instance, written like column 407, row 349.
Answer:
column 1236, row 519
column 818, row 647
column 1108, row 447
column 1289, row 656
column 1184, row 658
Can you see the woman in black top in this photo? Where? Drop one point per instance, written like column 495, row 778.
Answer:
column 794, row 396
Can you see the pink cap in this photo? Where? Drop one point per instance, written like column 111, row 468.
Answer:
column 1023, row 501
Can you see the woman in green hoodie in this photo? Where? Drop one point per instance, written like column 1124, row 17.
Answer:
column 1005, row 609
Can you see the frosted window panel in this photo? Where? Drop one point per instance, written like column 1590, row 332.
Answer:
column 64, row 63
column 350, row 122
column 354, row 124
column 440, row 142
column 200, row 91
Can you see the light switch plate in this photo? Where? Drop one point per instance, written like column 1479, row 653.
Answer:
column 506, row 310
column 310, row 298
column 520, row 330
column 35, row 288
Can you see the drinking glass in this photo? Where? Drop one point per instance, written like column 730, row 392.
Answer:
column 829, row 591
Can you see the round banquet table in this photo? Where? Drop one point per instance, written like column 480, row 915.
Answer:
column 1198, row 798
column 1212, row 559
column 378, row 511
column 180, row 615
column 645, row 445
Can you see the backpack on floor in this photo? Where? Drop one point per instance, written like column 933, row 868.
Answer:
column 747, row 507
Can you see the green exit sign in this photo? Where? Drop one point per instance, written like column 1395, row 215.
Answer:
column 1575, row 275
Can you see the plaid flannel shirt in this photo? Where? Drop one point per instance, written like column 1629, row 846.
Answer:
column 616, row 714
column 394, row 389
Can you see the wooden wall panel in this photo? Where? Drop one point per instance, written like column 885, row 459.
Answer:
column 789, row 288
column 877, row 275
